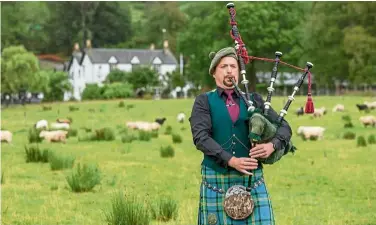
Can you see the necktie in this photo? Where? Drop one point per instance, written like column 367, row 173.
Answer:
column 232, row 107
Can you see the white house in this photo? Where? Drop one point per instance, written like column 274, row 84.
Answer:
column 94, row 64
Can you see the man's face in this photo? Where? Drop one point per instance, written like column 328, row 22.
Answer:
column 226, row 69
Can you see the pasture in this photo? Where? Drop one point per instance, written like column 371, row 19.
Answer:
column 327, row 182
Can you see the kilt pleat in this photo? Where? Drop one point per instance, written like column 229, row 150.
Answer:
column 211, row 211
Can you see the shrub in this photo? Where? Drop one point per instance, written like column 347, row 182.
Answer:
column 371, row 139
column 92, row 91
column 176, row 138
column 168, row 130
column 34, row 135
column 104, row 134
column 166, row 210
column 144, row 135
column 349, row 135
column 131, row 106
column 121, row 104
column 118, row 90
column 347, row 120
column 34, row 154
column 128, row 138
column 73, row 108
column 361, row 142
column 167, row 151
column 46, row 108
column 58, row 162
column 84, row 178
column 72, row 133
column 154, row 134
column 127, row 210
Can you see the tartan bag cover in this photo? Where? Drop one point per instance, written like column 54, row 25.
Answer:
column 211, row 209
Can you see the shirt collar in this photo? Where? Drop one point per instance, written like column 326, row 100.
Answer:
column 221, row 91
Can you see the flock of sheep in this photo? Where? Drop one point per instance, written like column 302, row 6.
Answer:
column 317, row 132
column 58, row 130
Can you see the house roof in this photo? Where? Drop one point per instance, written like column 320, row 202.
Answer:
column 145, row 56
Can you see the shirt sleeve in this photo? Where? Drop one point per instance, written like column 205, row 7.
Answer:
column 201, row 128
column 284, row 132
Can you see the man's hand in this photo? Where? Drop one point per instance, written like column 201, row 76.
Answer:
column 262, row 151
column 243, row 164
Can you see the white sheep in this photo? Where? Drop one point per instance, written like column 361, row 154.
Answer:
column 319, row 112
column 181, row 117
column 339, row 108
column 42, row 124
column 55, row 136
column 368, row 120
column 6, row 135
column 371, row 105
column 308, row 132
column 60, row 126
column 142, row 125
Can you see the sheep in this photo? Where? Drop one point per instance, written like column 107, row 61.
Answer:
column 371, row 105
column 362, row 107
column 339, row 108
column 160, row 120
column 319, row 112
column 60, row 126
column 308, row 132
column 181, row 117
column 368, row 120
column 145, row 126
column 6, row 135
column 300, row 111
column 41, row 124
column 54, row 136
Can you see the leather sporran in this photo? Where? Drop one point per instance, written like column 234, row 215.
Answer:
column 238, row 203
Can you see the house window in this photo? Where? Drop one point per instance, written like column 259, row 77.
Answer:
column 157, row 67
column 113, row 66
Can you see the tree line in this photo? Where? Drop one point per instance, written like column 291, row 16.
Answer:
column 338, row 37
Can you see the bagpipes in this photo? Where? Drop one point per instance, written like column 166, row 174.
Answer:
column 261, row 127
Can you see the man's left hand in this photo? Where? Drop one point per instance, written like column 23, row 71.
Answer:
column 262, row 150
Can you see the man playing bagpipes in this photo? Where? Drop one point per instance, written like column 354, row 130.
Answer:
column 237, row 132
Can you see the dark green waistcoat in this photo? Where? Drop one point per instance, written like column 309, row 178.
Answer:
column 232, row 137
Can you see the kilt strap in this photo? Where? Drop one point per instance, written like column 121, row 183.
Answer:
column 222, row 191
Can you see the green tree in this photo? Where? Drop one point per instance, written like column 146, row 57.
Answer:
column 142, row 77
column 58, row 84
column 264, row 28
column 19, row 68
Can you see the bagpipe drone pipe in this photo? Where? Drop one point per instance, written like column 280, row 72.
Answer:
column 261, row 127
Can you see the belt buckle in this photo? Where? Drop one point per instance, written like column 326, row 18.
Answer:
column 238, row 203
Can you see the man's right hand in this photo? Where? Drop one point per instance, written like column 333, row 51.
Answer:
column 243, row 164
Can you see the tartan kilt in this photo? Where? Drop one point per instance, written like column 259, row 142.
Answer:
column 211, row 211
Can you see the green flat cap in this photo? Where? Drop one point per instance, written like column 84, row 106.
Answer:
column 216, row 57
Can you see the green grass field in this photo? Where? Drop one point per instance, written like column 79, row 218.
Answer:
column 328, row 182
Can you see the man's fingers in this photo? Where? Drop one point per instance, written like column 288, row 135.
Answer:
column 264, row 154
column 249, row 160
column 246, row 172
column 250, row 164
column 257, row 147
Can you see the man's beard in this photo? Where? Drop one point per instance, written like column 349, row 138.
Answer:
column 227, row 82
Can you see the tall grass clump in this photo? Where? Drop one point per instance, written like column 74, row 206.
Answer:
column 176, row 138
column 84, row 178
column 144, row 135
column 128, row 138
column 2, row 177
column 34, row 135
column 347, row 120
column 166, row 210
column 168, row 130
column 371, row 139
column 34, row 154
column 348, row 135
column 121, row 104
column 167, row 151
column 60, row 162
column 104, row 134
column 361, row 142
column 127, row 210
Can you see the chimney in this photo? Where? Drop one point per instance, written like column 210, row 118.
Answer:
column 152, row 46
column 88, row 43
column 165, row 46
column 76, row 47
